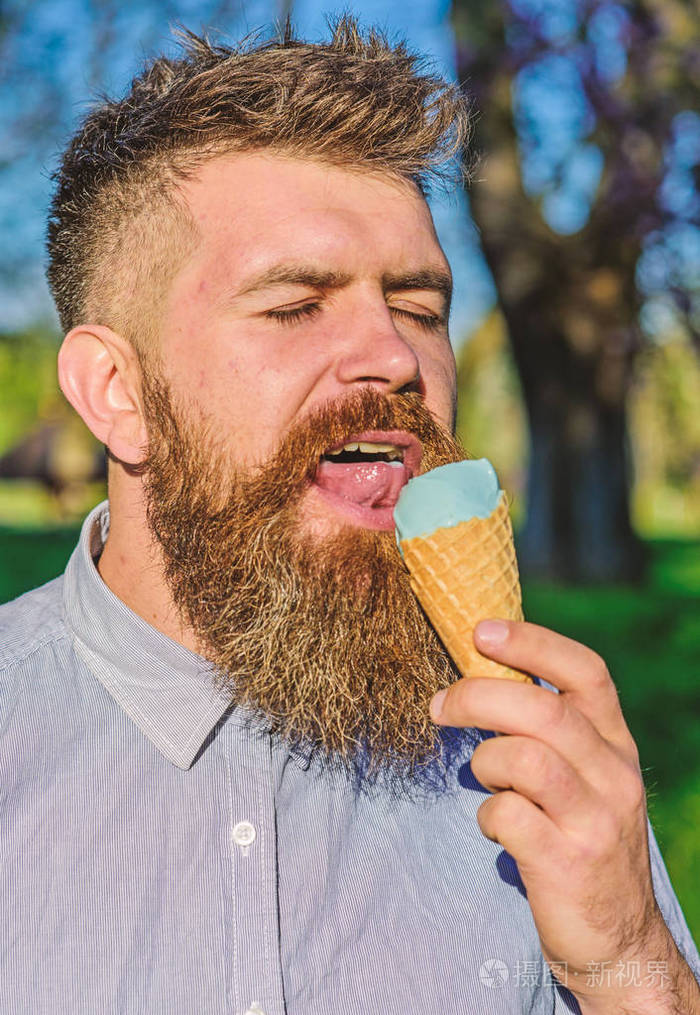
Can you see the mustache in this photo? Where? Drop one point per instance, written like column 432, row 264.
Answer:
column 294, row 463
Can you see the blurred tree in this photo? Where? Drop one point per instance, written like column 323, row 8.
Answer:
column 490, row 416
column 665, row 433
column 588, row 205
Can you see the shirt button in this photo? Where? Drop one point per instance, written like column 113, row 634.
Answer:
column 254, row 1009
column 243, row 834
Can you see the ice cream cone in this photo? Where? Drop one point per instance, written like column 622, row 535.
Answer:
column 465, row 573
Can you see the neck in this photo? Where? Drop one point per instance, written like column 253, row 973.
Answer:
column 131, row 564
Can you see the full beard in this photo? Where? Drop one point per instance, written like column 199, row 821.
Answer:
column 320, row 639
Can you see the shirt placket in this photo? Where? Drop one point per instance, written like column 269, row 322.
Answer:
column 256, row 974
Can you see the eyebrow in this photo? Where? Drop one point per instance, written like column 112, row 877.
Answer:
column 434, row 279
column 291, row 274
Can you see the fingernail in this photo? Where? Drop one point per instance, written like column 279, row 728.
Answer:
column 492, row 631
column 437, row 703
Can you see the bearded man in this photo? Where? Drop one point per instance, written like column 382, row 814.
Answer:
column 224, row 789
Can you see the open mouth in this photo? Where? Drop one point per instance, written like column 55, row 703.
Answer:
column 363, row 477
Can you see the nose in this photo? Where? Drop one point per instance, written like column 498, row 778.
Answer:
column 376, row 353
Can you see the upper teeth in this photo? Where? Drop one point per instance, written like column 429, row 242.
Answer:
column 370, row 449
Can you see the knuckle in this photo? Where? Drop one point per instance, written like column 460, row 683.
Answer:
column 632, row 752
column 554, row 711
column 551, row 776
column 534, row 761
column 631, row 790
column 599, row 678
column 556, row 778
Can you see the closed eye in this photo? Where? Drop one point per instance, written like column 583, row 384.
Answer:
column 293, row 315
column 431, row 322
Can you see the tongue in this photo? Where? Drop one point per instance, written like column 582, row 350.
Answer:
column 372, row 484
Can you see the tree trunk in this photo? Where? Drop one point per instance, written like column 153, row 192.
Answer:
column 574, row 349
column 577, row 512
column 570, row 306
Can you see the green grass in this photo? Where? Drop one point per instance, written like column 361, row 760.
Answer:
column 650, row 638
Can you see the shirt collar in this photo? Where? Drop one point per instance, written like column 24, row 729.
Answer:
column 166, row 689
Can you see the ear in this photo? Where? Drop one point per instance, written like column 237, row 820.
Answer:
column 99, row 372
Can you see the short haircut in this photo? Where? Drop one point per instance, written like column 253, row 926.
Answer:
column 117, row 231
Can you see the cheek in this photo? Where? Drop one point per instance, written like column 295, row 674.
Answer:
column 256, row 374
column 439, row 374
column 255, row 399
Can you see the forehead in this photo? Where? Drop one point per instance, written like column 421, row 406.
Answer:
column 253, row 210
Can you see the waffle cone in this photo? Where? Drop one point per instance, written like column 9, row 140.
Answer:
column 464, row 574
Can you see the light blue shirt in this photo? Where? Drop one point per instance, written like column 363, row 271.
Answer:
column 162, row 855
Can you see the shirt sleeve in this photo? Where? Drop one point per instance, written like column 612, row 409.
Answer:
column 670, row 908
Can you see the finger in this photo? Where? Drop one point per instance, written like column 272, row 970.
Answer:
column 573, row 668
column 518, row 825
column 540, row 774
column 528, row 710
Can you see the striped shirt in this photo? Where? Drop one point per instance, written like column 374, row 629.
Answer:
column 161, row 854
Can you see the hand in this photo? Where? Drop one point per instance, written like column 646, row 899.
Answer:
column 569, row 802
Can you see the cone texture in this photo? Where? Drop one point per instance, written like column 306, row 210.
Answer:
column 464, row 574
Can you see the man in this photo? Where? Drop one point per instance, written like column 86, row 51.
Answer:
column 225, row 788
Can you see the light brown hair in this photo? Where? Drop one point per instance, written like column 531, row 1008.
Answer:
column 117, row 232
